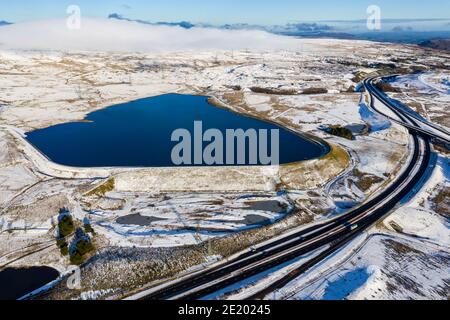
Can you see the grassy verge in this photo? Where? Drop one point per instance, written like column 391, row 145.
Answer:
column 103, row 188
column 309, row 174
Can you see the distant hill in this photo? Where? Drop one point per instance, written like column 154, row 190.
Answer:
column 406, row 31
column 315, row 35
column 441, row 44
column 4, row 23
column 182, row 24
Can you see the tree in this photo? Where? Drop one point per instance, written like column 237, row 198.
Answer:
column 65, row 223
column 66, row 226
column 88, row 227
column 63, row 246
column 80, row 246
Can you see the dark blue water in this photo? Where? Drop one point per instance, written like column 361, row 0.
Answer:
column 15, row 283
column 138, row 133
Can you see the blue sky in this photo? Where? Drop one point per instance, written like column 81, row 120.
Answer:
column 226, row 11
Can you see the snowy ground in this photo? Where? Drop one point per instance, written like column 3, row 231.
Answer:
column 428, row 94
column 406, row 256
column 43, row 88
column 182, row 219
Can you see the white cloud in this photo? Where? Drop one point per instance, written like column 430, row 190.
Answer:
column 114, row 35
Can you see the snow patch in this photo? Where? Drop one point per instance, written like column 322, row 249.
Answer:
column 374, row 120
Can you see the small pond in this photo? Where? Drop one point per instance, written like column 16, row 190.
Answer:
column 15, row 283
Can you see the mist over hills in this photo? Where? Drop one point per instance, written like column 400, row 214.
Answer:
column 101, row 34
column 409, row 31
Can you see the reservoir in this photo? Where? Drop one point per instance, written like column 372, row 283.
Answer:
column 138, row 134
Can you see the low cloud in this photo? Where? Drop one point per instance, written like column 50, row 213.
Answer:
column 126, row 36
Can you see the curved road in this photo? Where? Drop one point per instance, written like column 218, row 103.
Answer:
column 330, row 235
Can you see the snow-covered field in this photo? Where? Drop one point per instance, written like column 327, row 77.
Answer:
column 405, row 257
column 305, row 87
column 428, row 94
column 182, row 219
